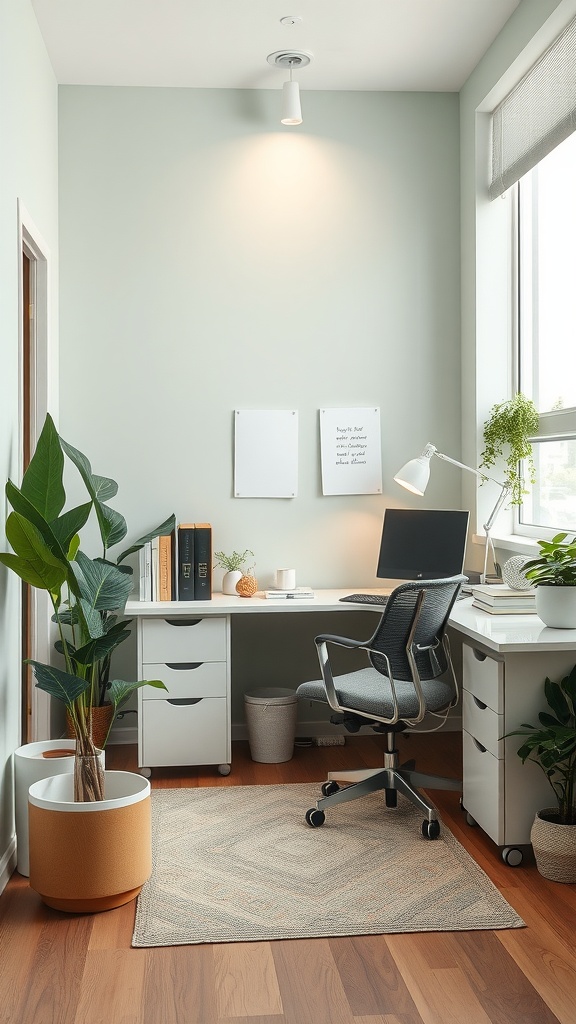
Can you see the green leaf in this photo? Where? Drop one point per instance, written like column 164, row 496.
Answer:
column 42, row 483
column 68, row 525
column 112, row 525
column 100, row 647
column 33, row 561
column 160, row 531
column 100, row 489
column 59, row 684
column 102, row 584
column 119, row 691
column 557, row 700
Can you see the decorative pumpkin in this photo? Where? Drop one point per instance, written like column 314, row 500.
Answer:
column 247, row 586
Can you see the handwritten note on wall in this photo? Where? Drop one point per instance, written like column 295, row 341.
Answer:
column 351, row 451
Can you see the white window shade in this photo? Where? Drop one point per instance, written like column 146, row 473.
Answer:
column 537, row 115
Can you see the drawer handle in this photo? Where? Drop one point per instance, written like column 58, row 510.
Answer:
column 184, row 701
column 479, row 746
column 182, row 622
column 479, row 655
column 480, row 704
column 183, row 666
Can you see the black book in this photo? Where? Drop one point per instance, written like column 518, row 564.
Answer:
column 202, row 562
column 185, row 562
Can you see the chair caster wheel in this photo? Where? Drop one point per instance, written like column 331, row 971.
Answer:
column 224, row 769
column 315, row 818
column 327, row 788
column 430, row 829
column 512, row 856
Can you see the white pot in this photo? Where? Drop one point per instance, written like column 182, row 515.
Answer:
column 86, row 857
column 31, row 765
column 556, row 606
column 229, row 581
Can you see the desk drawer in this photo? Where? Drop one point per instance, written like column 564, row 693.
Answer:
column 197, row 679
column 183, row 639
column 175, row 734
column 480, row 722
column 484, row 678
column 483, row 787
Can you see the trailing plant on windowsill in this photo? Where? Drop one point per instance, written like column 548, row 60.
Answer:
column 88, row 595
column 507, row 433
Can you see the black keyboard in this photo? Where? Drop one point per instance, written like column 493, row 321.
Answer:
column 365, row 598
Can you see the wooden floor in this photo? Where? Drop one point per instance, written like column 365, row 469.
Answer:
column 62, row 969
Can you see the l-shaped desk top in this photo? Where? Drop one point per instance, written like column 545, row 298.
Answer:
column 499, row 633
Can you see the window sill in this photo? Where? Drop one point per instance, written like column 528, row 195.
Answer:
column 511, row 542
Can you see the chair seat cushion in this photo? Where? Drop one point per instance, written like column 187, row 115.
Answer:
column 368, row 692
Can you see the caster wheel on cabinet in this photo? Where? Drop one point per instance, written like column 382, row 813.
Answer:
column 512, row 856
column 430, row 829
column 145, row 772
column 470, row 820
column 315, row 818
column 224, row 769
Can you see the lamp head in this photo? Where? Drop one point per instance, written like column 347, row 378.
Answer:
column 415, row 474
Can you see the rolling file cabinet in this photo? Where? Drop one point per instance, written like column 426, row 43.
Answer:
column 499, row 693
column 189, row 724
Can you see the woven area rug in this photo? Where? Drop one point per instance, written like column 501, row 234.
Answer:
column 239, row 863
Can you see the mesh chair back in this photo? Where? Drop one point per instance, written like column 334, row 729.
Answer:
column 429, row 602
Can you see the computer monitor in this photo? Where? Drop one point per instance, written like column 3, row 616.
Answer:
column 422, row 544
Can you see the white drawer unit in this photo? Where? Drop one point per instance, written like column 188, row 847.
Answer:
column 189, row 722
column 500, row 793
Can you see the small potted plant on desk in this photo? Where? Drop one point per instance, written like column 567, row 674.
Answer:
column 233, row 565
column 77, row 864
column 553, row 574
column 553, row 748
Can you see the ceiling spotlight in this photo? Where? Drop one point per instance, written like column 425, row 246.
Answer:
column 289, row 60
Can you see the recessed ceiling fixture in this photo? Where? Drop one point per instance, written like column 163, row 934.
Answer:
column 289, row 60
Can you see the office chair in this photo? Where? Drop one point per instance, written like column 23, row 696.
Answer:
column 408, row 653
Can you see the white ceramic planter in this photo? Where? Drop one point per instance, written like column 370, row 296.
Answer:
column 30, row 765
column 556, row 606
column 86, row 857
column 229, row 581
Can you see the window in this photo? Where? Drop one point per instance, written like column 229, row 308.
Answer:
column 546, row 319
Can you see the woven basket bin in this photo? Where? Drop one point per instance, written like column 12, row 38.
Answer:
column 271, row 714
column 554, row 847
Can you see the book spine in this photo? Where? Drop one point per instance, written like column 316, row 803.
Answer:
column 164, row 568
column 186, row 559
column 155, row 570
column 202, row 562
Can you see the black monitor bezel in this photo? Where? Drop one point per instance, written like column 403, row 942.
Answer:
column 410, row 572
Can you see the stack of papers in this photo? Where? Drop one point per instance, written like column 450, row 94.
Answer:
column 290, row 595
column 502, row 600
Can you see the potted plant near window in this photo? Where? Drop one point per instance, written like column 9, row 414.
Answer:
column 88, row 596
column 553, row 573
column 233, row 565
column 552, row 747
column 506, row 434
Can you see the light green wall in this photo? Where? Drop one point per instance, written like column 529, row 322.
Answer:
column 28, row 172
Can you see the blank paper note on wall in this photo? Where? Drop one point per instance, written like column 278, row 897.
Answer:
column 265, row 453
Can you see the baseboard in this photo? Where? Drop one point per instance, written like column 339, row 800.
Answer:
column 323, row 728
column 123, row 734
column 8, row 864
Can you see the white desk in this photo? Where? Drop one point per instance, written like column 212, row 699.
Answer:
column 505, row 661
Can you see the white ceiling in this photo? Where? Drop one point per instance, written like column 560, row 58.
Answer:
column 428, row 45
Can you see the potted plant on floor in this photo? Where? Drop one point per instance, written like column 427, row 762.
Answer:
column 552, row 746
column 88, row 597
column 506, row 434
column 553, row 574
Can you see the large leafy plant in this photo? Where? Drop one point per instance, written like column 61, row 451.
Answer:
column 556, row 564
column 88, row 595
column 553, row 746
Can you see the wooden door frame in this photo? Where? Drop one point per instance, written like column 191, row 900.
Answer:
column 43, row 399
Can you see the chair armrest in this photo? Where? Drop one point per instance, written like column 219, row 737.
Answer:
column 342, row 641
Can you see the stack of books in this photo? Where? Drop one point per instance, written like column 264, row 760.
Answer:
column 178, row 566
column 298, row 594
column 502, row 600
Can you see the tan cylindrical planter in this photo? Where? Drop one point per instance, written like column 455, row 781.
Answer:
column 86, row 857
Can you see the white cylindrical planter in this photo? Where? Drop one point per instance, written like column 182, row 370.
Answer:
column 556, row 606
column 229, row 581
column 271, row 714
column 87, row 857
column 31, row 765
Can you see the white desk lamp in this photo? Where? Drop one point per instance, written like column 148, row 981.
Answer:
column 414, row 476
